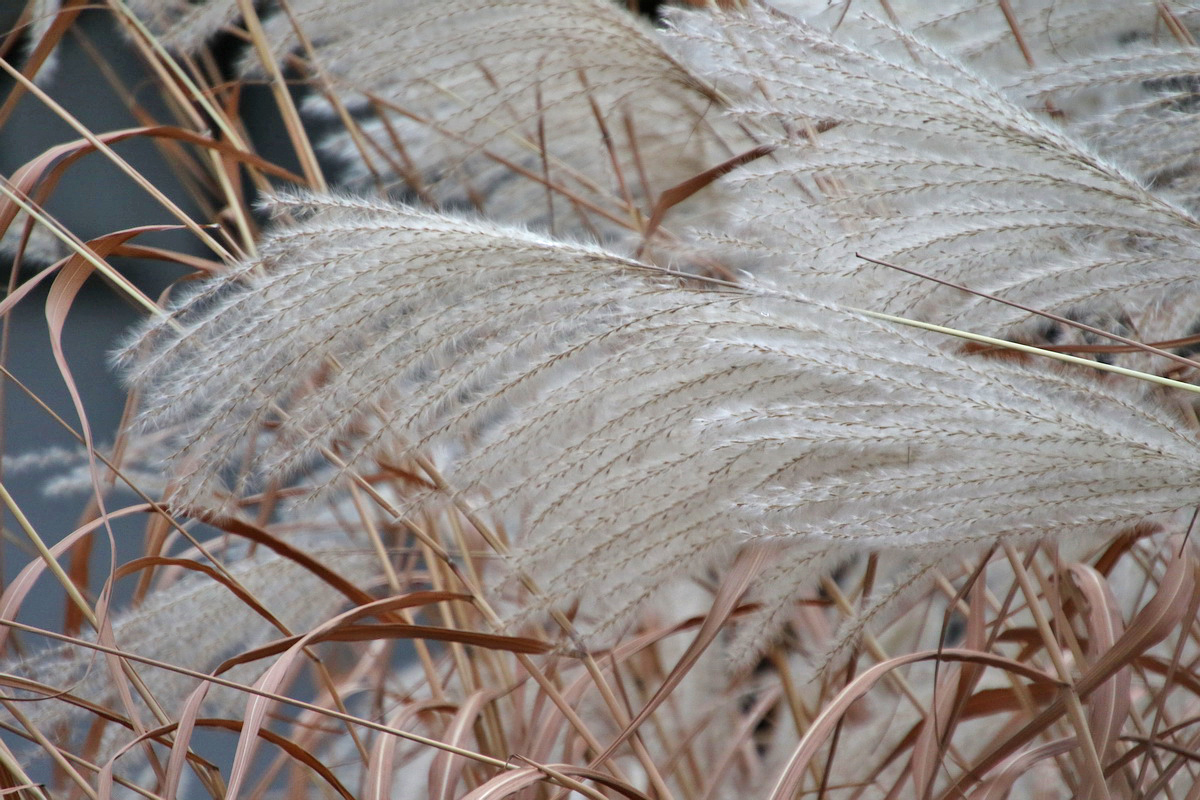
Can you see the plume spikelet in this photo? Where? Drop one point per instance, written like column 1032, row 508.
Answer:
column 567, row 116
column 927, row 166
column 657, row 426
column 1120, row 77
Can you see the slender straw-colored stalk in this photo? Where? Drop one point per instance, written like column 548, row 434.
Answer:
column 120, row 162
column 72, row 241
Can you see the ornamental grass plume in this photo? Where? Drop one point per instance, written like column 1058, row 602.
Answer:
column 1119, row 77
column 621, row 370
column 623, row 429
column 927, row 164
column 921, row 160
column 568, row 116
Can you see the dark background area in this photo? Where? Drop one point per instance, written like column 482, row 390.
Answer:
column 94, row 198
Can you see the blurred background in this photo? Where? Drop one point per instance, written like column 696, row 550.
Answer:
column 94, row 75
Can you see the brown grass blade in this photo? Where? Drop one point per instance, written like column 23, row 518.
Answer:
column 1108, row 706
column 20, row 586
column 677, row 194
column 511, row 782
column 1153, row 623
column 446, row 769
column 824, row 725
column 746, row 568
column 999, row 785
column 106, row 780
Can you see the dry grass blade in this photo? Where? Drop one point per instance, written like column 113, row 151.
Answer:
column 257, row 705
column 509, row 783
column 1149, row 626
column 1000, row 785
column 18, row 589
column 745, row 570
column 398, row 630
column 120, row 162
column 677, row 194
column 1108, row 706
column 106, row 778
column 824, row 725
column 952, row 694
column 446, row 769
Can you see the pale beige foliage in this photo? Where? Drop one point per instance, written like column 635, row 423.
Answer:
column 566, row 115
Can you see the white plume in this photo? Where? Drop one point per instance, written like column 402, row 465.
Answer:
column 928, row 166
column 566, row 115
column 623, row 428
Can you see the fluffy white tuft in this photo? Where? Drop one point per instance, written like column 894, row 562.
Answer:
column 630, row 429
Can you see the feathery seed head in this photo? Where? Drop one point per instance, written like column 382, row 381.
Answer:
column 631, row 428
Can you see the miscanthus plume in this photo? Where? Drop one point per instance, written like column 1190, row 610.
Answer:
column 621, row 426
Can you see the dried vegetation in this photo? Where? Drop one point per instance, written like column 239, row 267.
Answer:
column 773, row 400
